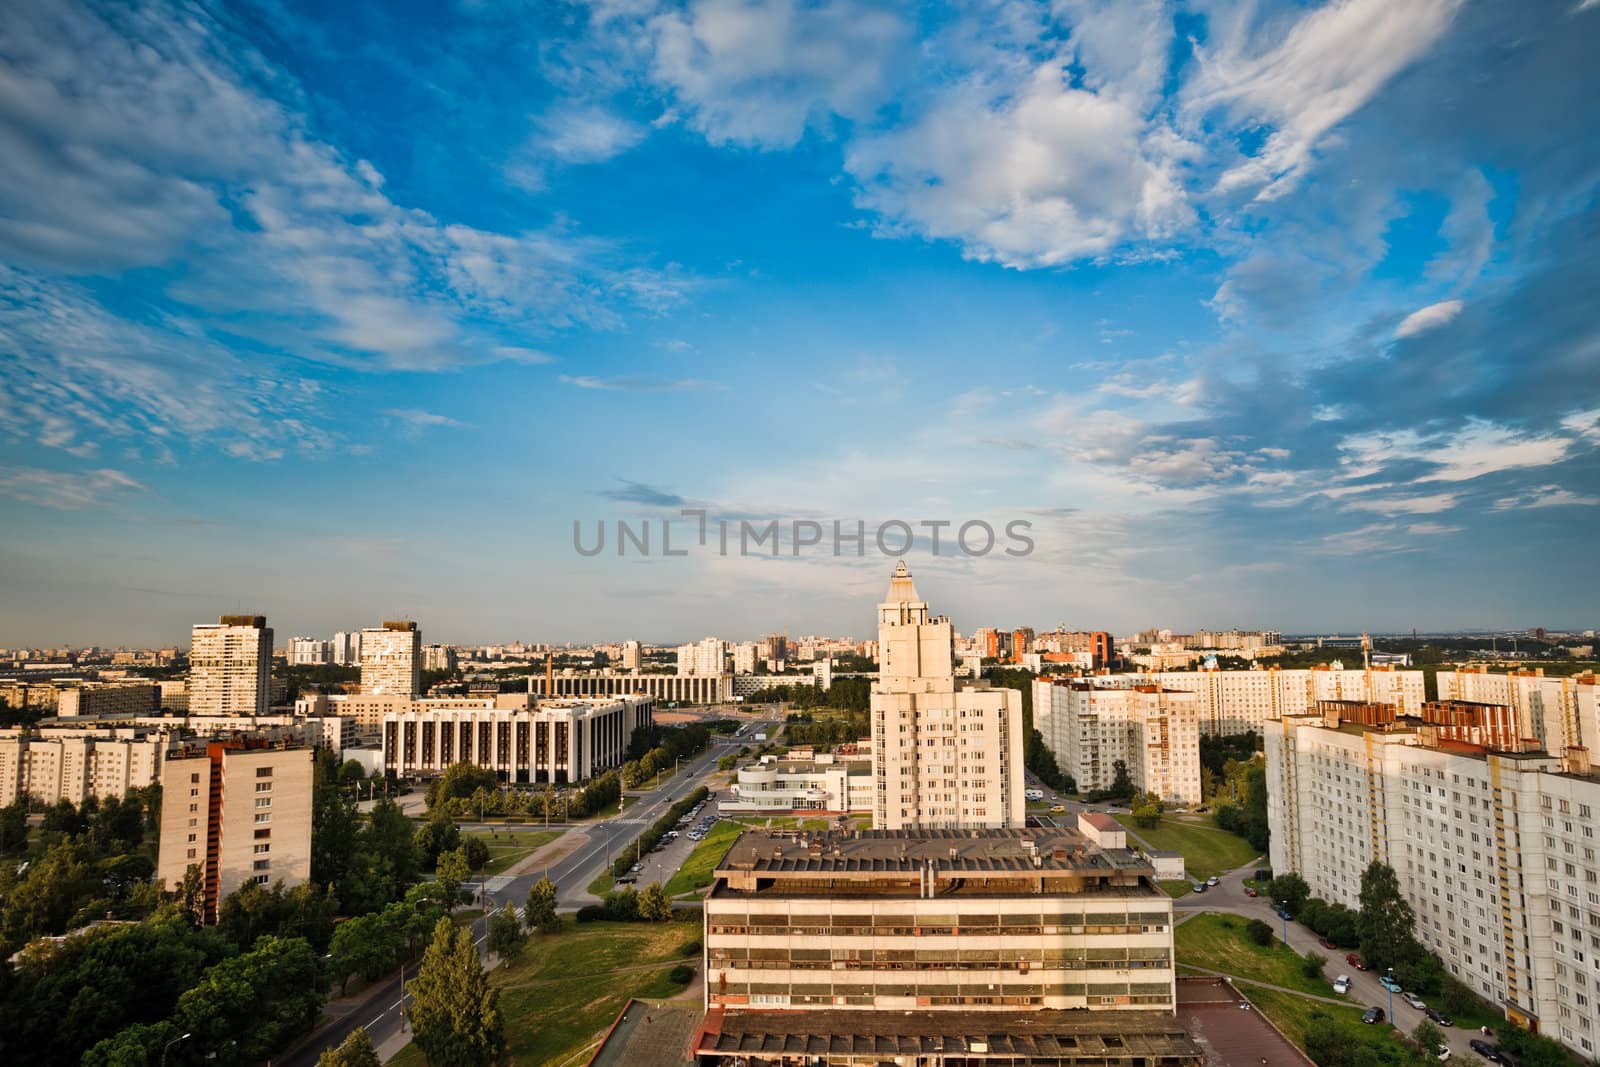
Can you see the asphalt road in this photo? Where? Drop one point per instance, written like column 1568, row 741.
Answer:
column 383, row 1016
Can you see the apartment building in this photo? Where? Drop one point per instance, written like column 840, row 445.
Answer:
column 76, row 766
column 1237, row 701
column 310, row 652
column 238, row 810
column 566, row 740
column 632, row 655
column 744, row 657
column 1558, row 713
column 666, row 688
column 230, row 666
column 1035, row 939
column 115, row 698
column 943, row 757
column 824, row 783
column 705, row 657
column 391, row 660
column 1492, row 838
column 1154, row 731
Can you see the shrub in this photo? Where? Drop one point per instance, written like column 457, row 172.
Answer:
column 693, row 948
column 682, row 974
column 591, row 913
column 1259, row 932
column 1312, row 965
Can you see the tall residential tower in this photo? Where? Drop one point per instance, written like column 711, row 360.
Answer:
column 943, row 758
column 230, row 666
column 391, row 660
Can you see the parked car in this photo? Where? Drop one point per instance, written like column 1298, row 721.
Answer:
column 1212, row 880
column 1199, row 887
column 1057, row 809
column 1483, row 1048
column 1438, row 1016
column 1283, row 912
column 1372, row 1015
column 1341, row 984
column 1250, row 892
column 635, row 869
column 1388, row 983
column 1444, row 1052
column 1325, row 943
column 1354, row 960
column 1415, row 1001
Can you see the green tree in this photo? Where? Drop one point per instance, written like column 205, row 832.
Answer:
column 1147, row 809
column 540, row 913
column 1259, row 932
column 477, row 853
column 1428, row 1038
column 506, row 938
column 454, row 1015
column 460, row 780
column 437, row 836
column 354, row 1051
column 247, row 1008
column 335, row 826
column 654, row 907
column 1386, row 920
column 13, row 828
column 453, row 870
column 350, row 773
column 1291, row 891
column 1121, row 781
column 1312, row 965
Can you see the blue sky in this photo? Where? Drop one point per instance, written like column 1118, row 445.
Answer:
column 1262, row 314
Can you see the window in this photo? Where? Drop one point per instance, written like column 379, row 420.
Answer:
column 263, row 772
column 263, row 816
column 263, row 802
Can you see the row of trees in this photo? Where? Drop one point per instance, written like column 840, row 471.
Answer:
column 804, row 728
column 467, row 791
column 669, row 747
column 846, row 694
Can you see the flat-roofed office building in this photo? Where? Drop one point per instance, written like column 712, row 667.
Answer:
column 1035, row 933
column 230, row 666
column 555, row 741
column 391, row 660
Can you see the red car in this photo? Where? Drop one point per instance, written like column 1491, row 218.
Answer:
column 1325, row 943
column 1355, row 961
column 1250, row 892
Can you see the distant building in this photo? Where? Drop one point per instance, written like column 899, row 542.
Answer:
column 632, row 655
column 240, row 811
column 230, row 666
column 556, row 741
column 310, row 652
column 117, row 698
column 50, row 766
column 438, row 658
column 1557, row 713
column 705, row 657
column 667, row 688
column 944, row 757
column 347, row 648
column 744, row 657
column 391, row 660
column 1152, row 730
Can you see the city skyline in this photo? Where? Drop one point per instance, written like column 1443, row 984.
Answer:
column 338, row 316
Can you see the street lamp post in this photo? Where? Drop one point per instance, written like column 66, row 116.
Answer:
column 1389, row 985
column 1283, row 912
column 169, row 1044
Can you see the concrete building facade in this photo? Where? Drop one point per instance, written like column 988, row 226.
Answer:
column 1493, row 842
column 230, row 666
column 820, row 784
column 665, row 688
column 240, row 811
column 61, row 766
column 116, row 698
column 391, row 660
column 943, row 757
column 559, row 741
column 1153, row 730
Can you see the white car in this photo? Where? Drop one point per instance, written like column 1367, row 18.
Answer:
column 1444, row 1052
column 1413, row 1000
column 1341, row 984
column 1212, row 881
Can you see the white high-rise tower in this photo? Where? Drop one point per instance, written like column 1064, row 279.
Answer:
column 391, row 660
column 942, row 757
column 230, row 666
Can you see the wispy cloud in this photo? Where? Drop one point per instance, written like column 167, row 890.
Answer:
column 1428, row 318
column 65, row 490
column 417, row 419
column 641, row 493
column 638, row 384
column 1546, row 496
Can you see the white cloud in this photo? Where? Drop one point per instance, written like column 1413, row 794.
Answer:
column 1431, row 317
column 417, row 419
column 758, row 72
column 1305, row 79
column 1430, row 504
column 64, row 490
column 638, row 384
column 1478, row 449
column 1031, row 173
column 1545, row 496
column 572, row 133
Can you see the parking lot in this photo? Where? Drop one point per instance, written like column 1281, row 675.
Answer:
column 662, row 864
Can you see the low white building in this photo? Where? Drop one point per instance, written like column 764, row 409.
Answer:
column 824, row 783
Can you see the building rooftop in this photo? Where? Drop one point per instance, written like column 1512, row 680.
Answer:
column 1101, row 822
column 1100, row 1036
column 910, row 851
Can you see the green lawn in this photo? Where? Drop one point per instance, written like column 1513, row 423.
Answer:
column 602, row 884
column 1218, row 943
column 508, row 846
column 696, row 870
column 1206, row 850
column 1293, row 1014
column 568, row 987
column 1178, row 888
